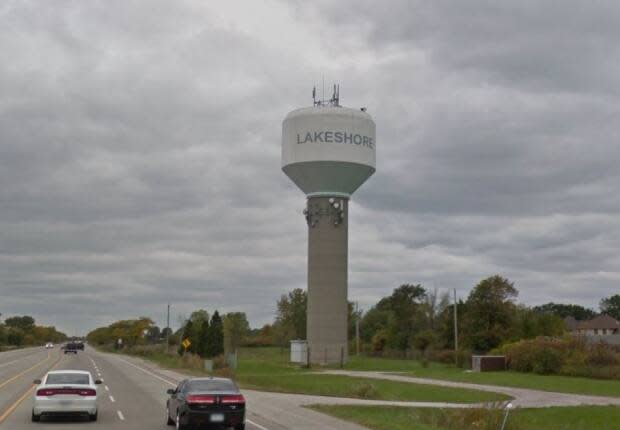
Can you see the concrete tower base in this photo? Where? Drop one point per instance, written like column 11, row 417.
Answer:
column 327, row 279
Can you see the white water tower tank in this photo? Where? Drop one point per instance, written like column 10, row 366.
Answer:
column 328, row 150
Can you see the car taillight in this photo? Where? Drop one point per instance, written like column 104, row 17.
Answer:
column 85, row 392
column 200, row 399
column 233, row 400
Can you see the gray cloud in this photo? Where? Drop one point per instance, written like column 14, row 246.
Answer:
column 139, row 151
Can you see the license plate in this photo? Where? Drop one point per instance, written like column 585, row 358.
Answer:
column 65, row 402
column 217, row 418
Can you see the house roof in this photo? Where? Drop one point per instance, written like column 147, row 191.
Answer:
column 600, row 322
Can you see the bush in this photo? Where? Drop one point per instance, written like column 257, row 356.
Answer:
column 540, row 355
column 601, row 354
column 490, row 418
column 365, row 391
column 547, row 361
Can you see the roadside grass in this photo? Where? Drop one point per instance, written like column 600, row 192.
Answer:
column 399, row 418
column 561, row 384
column 268, row 369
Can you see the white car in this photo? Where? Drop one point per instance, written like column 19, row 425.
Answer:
column 49, row 345
column 65, row 392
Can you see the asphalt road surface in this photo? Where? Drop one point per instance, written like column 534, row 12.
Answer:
column 129, row 398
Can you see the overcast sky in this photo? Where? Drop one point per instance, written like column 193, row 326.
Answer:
column 140, row 151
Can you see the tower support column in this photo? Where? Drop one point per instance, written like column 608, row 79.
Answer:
column 327, row 322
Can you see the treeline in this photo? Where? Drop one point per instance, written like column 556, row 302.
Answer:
column 414, row 318
column 23, row 331
column 208, row 336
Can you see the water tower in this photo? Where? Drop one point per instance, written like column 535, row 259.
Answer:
column 328, row 151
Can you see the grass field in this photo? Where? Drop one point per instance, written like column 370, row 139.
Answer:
column 394, row 418
column 268, row 369
column 562, row 384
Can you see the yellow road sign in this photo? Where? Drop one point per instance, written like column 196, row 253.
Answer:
column 186, row 343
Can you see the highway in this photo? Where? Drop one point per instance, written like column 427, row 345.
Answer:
column 131, row 397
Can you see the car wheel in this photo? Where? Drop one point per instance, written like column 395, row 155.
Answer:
column 35, row 418
column 93, row 417
column 169, row 420
column 178, row 423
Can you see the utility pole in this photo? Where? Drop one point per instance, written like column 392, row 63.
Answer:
column 357, row 329
column 456, row 333
column 168, row 329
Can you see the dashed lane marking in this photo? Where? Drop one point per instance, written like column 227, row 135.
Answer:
column 19, row 375
column 112, row 399
column 14, row 406
column 174, row 385
column 120, row 415
column 9, row 363
column 107, row 388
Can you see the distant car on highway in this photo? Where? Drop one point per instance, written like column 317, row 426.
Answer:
column 199, row 401
column 65, row 392
column 80, row 345
column 70, row 348
column 49, row 345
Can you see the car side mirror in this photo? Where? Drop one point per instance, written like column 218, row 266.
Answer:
column 171, row 391
column 37, row 381
column 97, row 381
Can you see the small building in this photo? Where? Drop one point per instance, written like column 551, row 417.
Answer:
column 601, row 325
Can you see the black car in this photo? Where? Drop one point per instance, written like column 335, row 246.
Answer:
column 70, row 348
column 206, row 401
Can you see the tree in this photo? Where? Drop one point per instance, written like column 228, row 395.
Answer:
column 202, row 338
column 153, row 334
column 25, row 323
column 611, row 306
column 215, row 337
column 562, row 310
column 236, row 328
column 490, row 313
column 198, row 334
column 291, row 316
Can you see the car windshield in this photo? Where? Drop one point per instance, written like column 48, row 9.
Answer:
column 211, row 386
column 67, row 378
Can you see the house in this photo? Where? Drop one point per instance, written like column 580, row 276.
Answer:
column 601, row 325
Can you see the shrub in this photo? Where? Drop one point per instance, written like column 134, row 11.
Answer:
column 538, row 355
column 490, row 418
column 365, row 391
column 601, row 354
column 547, row 361
column 379, row 340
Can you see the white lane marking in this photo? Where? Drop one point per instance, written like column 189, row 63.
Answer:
column 256, row 425
column 10, row 362
column 107, row 388
column 174, row 385
column 112, row 399
column 120, row 415
column 149, row 373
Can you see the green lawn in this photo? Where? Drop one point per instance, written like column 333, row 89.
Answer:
column 268, row 369
column 562, row 384
column 394, row 418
